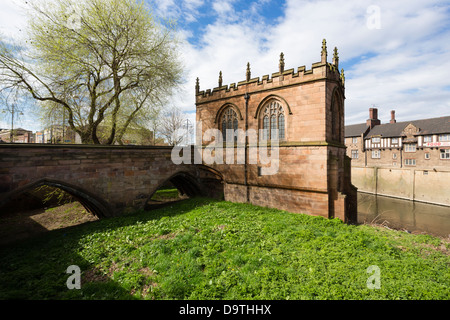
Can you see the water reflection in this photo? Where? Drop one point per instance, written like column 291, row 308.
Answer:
column 416, row 217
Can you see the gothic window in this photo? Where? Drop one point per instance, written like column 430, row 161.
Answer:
column 336, row 116
column 272, row 120
column 229, row 122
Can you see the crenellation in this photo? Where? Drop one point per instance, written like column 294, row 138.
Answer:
column 312, row 104
column 281, row 77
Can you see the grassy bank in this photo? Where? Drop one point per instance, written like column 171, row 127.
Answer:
column 207, row 249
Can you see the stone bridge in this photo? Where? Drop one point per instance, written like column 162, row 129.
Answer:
column 105, row 179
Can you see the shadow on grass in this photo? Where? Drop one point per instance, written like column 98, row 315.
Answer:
column 35, row 268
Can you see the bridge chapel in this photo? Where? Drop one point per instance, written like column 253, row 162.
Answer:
column 301, row 110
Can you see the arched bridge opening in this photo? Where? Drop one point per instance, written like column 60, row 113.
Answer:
column 106, row 180
column 92, row 203
column 46, row 205
column 204, row 181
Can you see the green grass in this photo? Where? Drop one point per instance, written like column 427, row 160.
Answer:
column 166, row 194
column 207, row 249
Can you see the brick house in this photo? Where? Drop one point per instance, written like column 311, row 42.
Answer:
column 307, row 109
column 20, row 136
column 421, row 143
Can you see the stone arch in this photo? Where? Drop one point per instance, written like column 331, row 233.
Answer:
column 185, row 182
column 337, row 114
column 271, row 114
column 91, row 202
column 267, row 99
column 223, row 108
column 203, row 181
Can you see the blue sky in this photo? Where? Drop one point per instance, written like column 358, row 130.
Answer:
column 395, row 53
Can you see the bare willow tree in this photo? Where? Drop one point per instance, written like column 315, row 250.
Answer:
column 105, row 62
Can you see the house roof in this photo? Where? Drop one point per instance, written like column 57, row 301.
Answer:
column 425, row 126
column 355, row 130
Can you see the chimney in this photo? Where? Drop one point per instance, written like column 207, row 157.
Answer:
column 393, row 117
column 373, row 118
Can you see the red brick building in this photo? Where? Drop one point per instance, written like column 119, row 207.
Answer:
column 307, row 109
column 18, row 135
column 421, row 143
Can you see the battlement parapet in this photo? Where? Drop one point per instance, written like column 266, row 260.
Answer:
column 319, row 71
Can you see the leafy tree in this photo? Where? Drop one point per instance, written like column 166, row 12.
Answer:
column 105, row 62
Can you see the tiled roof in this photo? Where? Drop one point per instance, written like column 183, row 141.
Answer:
column 355, row 130
column 426, row 126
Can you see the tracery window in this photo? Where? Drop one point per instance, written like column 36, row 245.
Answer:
column 229, row 122
column 336, row 117
column 273, row 119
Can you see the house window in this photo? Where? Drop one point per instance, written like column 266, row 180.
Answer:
column 394, row 156
column 230, row 124
column 427, row 138
column 355, row 154
column 445, row 154
column 376, row 140
column 273, row 120
column 394, row 140
column 410, row 162
column 427, row 156
column 376, row 154
column 444, row 137
column 354, row 140
column 410, row 147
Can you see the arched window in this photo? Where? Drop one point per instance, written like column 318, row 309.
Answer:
column 229, row 122
column 272, row 120
column 224, row 131
column 336, row 118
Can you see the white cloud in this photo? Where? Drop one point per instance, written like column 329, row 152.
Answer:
column 222, row 7
column 12, row 20
column 400, row 65
column 404, row 68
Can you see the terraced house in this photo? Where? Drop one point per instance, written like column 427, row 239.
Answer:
column 408, row 159
column 421, row 143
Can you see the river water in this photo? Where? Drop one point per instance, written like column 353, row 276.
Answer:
column 411, row 216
